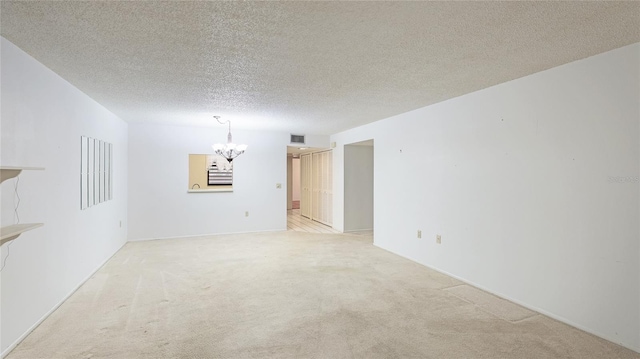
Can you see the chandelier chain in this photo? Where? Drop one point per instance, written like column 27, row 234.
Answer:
column 230, row 150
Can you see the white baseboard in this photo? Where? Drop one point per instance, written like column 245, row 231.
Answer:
column 204, row 235
column 357, row 230
column 526, row 305
column 47, row 314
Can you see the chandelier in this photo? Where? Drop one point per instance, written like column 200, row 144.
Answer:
column 230, row 150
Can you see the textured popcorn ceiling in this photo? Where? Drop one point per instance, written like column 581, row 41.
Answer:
column 303, row 67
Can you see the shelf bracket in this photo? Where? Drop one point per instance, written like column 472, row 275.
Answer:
column 6, row 174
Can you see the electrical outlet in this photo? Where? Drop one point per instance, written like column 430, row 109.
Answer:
column 419, row 233
column 278, row 185
column 438, row 239
column 246, row 214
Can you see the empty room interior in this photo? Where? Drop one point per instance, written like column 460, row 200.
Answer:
column 319, row 179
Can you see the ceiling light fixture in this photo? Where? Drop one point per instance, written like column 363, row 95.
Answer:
column 230, row 150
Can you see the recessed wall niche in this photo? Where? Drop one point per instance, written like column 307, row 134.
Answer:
column 96, row 172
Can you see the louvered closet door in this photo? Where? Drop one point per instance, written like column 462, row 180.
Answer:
column 316, row 186
column 329, row 189
column 322, row 199
column 305, row 185
column 324, row 174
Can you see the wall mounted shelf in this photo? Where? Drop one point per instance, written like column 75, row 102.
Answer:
column 12, row 232
column 7, row 172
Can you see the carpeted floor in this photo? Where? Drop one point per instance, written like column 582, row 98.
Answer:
column 291, row 295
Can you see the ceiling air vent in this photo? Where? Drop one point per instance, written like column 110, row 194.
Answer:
column 298, row 139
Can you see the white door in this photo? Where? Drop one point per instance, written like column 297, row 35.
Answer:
column 305, row 185
column 321, row 187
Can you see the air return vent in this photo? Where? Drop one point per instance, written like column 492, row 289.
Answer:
column 299, row 139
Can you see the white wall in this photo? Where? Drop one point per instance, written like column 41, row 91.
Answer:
column 159, row 205
column 313, row 141
column 42, row 119
column 533, row 185
column 358, row 188
column 295, row 169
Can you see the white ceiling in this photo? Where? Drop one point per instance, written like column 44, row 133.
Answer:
column 303, row 67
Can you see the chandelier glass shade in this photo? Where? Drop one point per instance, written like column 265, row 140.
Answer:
column 229, row 150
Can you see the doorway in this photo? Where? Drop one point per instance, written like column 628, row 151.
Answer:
column 309, row 190
column 358, row 188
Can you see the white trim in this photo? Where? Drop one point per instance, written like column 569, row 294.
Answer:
column 206, row 235
column 357, row 230
column 20, row 168
column 208, row 190
column 526, row 305
column 47, row 314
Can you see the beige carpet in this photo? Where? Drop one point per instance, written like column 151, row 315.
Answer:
column 499, row 307
column 290, row 295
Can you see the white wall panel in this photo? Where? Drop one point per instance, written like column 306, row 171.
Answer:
column 43, row 117
column 532, row 185
column 159, row 205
